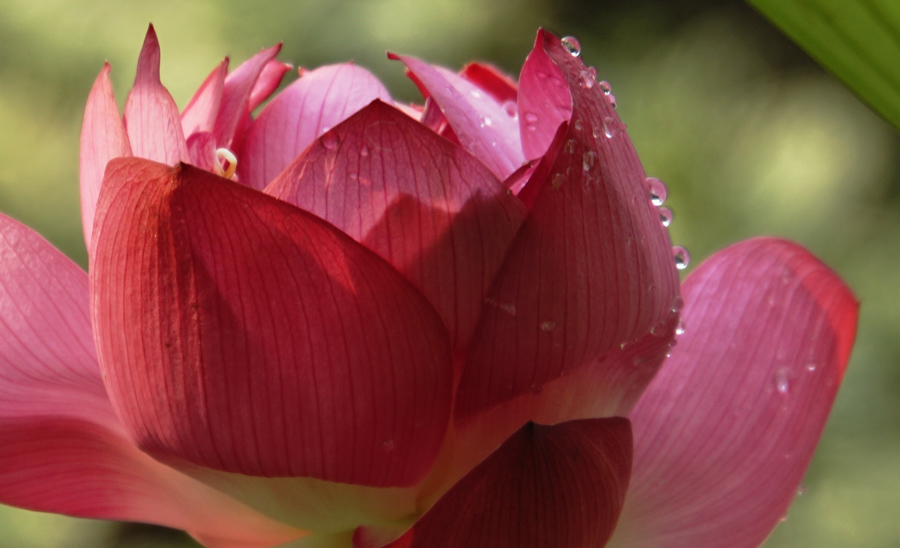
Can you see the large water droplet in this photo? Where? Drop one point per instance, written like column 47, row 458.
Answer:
column 572, row 45
column 783, row 377
column 665, row 216
column 605, row 87
column 658, row 191
column 680, row 329
column 682, row 257
column 609, row 127
column 587, row 80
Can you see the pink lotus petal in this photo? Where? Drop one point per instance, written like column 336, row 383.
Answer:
column 591, row 269
column 63, row 449
column 237, row 92
column 264, row 341
column 726, row 430
column 544, row 100
column 202, row 151
column 200, row 113
column 268, row 81
column 561, row 486
column 103, row 137
column 302, row 112
column 484, row 126
column 500, row 86
column 151, row 116
column 426, row 206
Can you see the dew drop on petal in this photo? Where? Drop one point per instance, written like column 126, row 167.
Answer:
column 578, row 125
column 682, row 257
column 587, row 80
column 783, row 378
column 811, row 367
column 572, row 45
column 571, row 145
column 548, row 326
column 558, row 180
column 665, row 216
column 612, row 100
column 588, row 159
column 531, row 117
column 593, row 72
column 659, row 329
column 658, row 191
column 680, row 329
column 511, row 108
column 677, row 303
column 605, row 87
column 364, row 151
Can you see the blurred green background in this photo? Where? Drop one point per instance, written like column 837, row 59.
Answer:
column 750, row 135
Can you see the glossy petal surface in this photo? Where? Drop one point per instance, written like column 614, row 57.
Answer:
column 223, row 315
column 726, row 430
column 103, row 137
column 590, row 271
column 482, row 124
column 426, row 206
column 151, row 116
column 63, row 449
column 560, row 486
column 301, row 113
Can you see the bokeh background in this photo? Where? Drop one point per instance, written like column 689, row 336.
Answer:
column 750, row 135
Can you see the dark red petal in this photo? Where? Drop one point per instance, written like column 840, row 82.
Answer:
column 301, row 113
column 236, row 93
column 489, row 78
column 726, row 430
column 243, row 334
column 590, row 271
column 561, row 486
column 151, row 116
column 544, row 100
column 426, row 206
column 484, row 126
column 103, row 138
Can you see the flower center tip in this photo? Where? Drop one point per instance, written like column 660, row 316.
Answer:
column 226, row 163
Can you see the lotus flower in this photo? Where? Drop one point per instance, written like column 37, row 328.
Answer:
column 350, row 322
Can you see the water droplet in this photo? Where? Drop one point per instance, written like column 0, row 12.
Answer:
column 659, row 329
column 536, row 388
column 658, row 191
column 605, row 87
column 682, row 257
column 801, row 490
column 387, row 446
column 476, row 94
column 509, row 308
column 542, row 75
column 354, row 176
column 593, row 72
column 531, row 117
column 587, row 80
column 572, row 45
column 578, row 125
column 609, row 128
column 588, row 159
column 486, row 121
column 783, row 378
column 811, row 367
column 364, row 151
column 571, row 144
column 558, row 180
column 677, row 303
column 612, row 100
column 511, row 108
column 330, row 141
column 680, row 329
column 665, row 216
column 548, row 326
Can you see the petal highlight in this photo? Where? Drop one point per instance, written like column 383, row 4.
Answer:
column 726, row 430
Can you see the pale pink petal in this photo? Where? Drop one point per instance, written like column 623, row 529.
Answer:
column 302, row 112
column 200, row 113
column 561, row 486
column 426, row 206
column 151, row 116
column 485, row 127
column 489, row 78
column 590, row 273
column 237, row 92
column 202, row 150
column 726, row 430
column 63, row 448
column 243, row 334
column 544, row 101
column 103, row 137
column 268, row 81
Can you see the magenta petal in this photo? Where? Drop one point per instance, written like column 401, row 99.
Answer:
column 63, row 449
column 490, row 79
column 544, row 101
column 318, row 101
column 246, row 335
column 200, row 113
column 485, row 127
column 726, row 430
column 202, row 151
column 590, row 271
column 426, row 206
column 236, row 93
column 103, row 137
column 151, row 116
column 561, row 486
